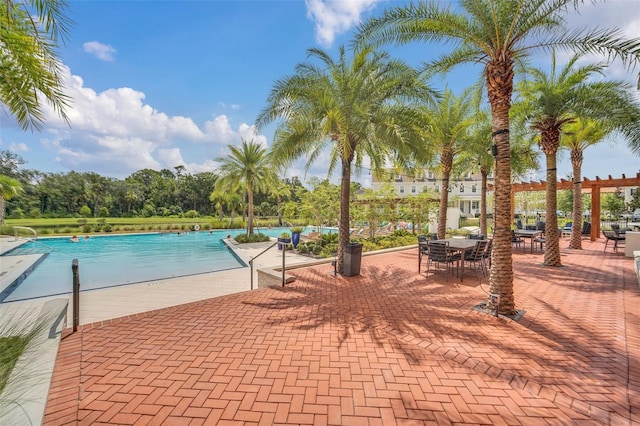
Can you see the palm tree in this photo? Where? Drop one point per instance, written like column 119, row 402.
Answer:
column 356, row 108
column 447, row 130
column 577, row 137
column 551, row 102
column 9, row 188
column 496, row 34
column 248, row 169
column 28, row 63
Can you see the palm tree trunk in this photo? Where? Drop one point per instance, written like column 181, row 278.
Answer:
column 446, row 162
column 343, row 226
column 1, row 209
column 550, row 141
column 499, row 73
column 250, row 212
column 483, row 202
column 576, row 229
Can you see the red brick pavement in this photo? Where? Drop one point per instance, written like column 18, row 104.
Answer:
column 387, row 347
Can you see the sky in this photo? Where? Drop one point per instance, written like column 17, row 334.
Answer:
column 160, row 84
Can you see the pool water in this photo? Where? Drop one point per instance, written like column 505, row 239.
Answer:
column 108, row 261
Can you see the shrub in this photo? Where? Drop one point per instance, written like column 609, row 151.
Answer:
column 192, row 214
column 255, row 238
column 107, row 227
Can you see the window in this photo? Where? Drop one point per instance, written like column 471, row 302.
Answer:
column 475, row 205
column 437, row 188
column 474, row 188
column 430, row 175
column 402, row 189
column 413, row 189
column 462, row 187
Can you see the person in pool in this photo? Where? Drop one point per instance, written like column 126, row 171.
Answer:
column 74, row 239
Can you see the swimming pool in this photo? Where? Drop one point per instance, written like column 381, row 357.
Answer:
column 108, row 261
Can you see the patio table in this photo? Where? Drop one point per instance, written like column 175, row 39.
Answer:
column 460, row 245
column 529, row 233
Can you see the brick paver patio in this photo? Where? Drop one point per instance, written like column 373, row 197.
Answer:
column 387, row 347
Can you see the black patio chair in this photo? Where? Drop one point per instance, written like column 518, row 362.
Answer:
column 476, row 255
column 515, row 239
column 586, row 228
column 613, row 236
column 439, row 253
column 487, row 253
column 423, row 249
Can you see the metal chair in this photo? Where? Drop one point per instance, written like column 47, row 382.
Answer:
column 423, row 249
column 439, row 253
column 475, row 236
column 476, row 255
column 487, row 253
column 515, row 239
column 615, row 237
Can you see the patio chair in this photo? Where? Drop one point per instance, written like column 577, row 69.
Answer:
column 439, row 253
column 539, row 241
column 566, row 230
column 476, row 255
column 487, row 253
column 586, row 228
column 423, row 249
column 515, row 239
column 615, row 237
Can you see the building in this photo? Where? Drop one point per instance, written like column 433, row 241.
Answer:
column 464, row 192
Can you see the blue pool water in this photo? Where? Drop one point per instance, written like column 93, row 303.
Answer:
column 107, row 261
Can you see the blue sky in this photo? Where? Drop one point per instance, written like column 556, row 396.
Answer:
column 157, row 84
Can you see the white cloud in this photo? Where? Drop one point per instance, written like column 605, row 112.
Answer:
column 115, row 133
column 333, row 17
column 18, row 147
column 99, row 50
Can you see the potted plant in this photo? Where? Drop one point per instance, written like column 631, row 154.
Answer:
column 295, row 235
column 283, row 240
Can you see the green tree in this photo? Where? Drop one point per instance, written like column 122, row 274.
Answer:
column 29, row 34
column 495, row 34
column 554, row 100
column 246, row 168
column 355, row 107
column 447, row 130
column 9, row 188
column 613, row 203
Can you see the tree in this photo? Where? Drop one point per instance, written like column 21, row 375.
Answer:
column 447, row 130
column 355, row 107
column 495, row 34
column 613, row 203
column 246, row 168
column 9, row 188
column 29, row 67
column 555, row 100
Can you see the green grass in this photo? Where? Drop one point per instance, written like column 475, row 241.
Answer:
column 10, row 350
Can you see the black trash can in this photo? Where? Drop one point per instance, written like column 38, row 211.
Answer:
column 352, row 258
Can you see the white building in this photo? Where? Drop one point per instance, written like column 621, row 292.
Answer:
column 464, row 192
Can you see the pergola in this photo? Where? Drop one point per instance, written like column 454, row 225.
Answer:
column 593, row 185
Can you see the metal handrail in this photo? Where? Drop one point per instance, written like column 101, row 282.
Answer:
column 253, row 258
column 15, row 231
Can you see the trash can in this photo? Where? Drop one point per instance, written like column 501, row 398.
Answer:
column 351, row 259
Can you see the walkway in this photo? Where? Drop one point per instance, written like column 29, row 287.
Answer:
column 386, row 347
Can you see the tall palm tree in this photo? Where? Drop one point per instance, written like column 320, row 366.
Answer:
column 28, row 63
column 356, row 108
column 577, row 137
column 246, row 168
column 9, row 188
column 447, row 130
column 495, row 34
column 552, row 101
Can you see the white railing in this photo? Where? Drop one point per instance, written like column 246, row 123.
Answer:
column 26, row 228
